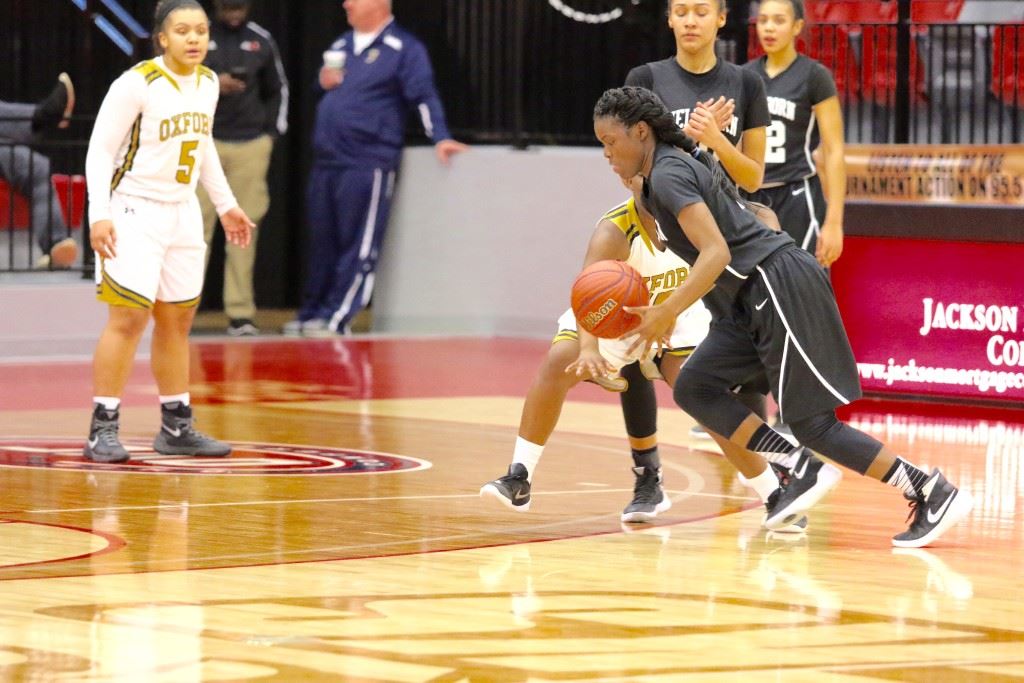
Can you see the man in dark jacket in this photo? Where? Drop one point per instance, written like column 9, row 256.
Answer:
column 373, row 77
column 251, row 114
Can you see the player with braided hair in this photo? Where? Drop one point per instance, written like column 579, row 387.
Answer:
column 775, row 315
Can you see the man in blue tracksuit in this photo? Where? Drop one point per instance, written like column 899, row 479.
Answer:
column 372, row 77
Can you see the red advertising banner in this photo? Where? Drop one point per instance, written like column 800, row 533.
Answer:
column 935, row 318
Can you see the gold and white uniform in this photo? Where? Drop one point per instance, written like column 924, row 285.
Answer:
column 150, row 146
column 663, row 272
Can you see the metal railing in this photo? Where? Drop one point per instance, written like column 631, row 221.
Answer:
column 528, row 71
column 42, row 201
column 116, row 23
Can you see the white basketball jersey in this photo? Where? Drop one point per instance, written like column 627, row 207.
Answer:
column 168, row 143
column 663, row 271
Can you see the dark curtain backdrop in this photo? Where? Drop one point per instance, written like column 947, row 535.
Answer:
column 500, row 85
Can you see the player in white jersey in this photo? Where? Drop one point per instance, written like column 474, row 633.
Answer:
column 629, row 235
column 150, row 146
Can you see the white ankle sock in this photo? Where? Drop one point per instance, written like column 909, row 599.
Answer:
column 181, row 398
column 527, row 454
column 764, row 484
column 108, row 402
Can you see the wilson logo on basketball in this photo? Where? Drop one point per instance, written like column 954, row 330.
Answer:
column 594, row 318
column 246, row 459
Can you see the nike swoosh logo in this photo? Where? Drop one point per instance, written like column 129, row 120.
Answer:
column 172, row 432
column 936, row 515
column 93, row 443
column 796, row 192
column 761, row 305
column 520, row 495
column 799, row 474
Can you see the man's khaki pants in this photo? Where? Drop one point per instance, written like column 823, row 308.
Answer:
column 245, row 165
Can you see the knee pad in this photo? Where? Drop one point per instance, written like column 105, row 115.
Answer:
column 839, row 441
column 754, row 401
column 694, row 389
column 639, row 403
column 709, row 401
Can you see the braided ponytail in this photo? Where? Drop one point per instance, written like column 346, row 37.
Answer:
column 630, row 105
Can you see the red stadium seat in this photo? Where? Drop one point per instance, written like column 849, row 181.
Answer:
column 1008, row 64
column 935, row 11
column 70, row 191
column 15, row 209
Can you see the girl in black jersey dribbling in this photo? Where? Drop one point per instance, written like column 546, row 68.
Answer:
column 805, row 112
column 776, row 316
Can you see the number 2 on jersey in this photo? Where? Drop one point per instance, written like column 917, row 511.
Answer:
column 187, row 161
column 776, row 147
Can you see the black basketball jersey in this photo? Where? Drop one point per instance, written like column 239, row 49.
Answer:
column 681, row 90
column 678, row 180
column 793, row 133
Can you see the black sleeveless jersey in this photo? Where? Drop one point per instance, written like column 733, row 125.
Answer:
column 793, row 133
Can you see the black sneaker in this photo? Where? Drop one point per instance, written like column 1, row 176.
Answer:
column 648, row 497
column 940, row 506
column 56, row 109
column 177, row 436
column 809, row 481
column 242, row 327
column 103, row 444
column 512, row 490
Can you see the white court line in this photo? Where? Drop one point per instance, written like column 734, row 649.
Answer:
column 309, row 501
column 694, row 480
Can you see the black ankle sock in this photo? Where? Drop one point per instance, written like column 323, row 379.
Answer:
column 647, row 458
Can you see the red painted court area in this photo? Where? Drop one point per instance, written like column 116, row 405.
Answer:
column 280, row 370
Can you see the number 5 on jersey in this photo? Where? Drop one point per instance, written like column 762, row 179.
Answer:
column 187, row 161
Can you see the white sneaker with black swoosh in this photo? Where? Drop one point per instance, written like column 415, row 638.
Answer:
column 512, row 490
column 178, row 436
column 939, row 506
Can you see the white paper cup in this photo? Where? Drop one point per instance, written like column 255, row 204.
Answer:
column 334, row 59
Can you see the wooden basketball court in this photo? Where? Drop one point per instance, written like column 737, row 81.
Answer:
column 345, row 538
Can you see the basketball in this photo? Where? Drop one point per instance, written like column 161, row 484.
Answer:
column 599, row 294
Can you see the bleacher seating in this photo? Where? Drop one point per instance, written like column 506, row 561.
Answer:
column 857, row 42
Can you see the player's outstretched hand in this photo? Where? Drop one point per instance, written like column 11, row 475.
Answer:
column 656, row 324
column 237, row 227
column 590, row 364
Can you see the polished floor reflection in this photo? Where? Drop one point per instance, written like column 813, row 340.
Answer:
column 345, row 540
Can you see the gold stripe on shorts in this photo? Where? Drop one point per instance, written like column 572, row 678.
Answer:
column 565, row 335
column 682, row 352
column 187, row 303
column 114, row 294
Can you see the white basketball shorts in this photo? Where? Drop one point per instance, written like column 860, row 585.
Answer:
column 160, row 253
